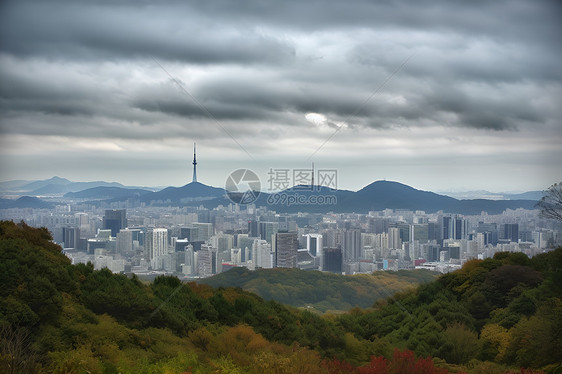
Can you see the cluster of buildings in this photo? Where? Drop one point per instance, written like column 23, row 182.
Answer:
column 197, row 242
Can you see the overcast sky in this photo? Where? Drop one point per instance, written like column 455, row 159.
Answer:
column 440, row 95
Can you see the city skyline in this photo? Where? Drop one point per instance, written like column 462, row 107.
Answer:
column 440, row 96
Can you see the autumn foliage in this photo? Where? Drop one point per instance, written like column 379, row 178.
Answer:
column 492, row 316
column 402, row 362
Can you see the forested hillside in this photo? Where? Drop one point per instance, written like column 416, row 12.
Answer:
column 492, row 316
column 506, row 310
column 318, row 291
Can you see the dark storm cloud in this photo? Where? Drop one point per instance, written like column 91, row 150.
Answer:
column 227, row 31
column 92, row 32
column 475, row 64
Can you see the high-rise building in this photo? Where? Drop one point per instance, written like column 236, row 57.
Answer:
column 432, row 231
column 351, row 245
column 115, row 220
column 189, row 233
column 182, row 244
column 285, row 245
column 394, row 241
column 378, row 225
column 156, row 246
column 314, row 244
column 419, row 232
column 460, row 229
column 246, row 243
column 261, row 254
column 124, row 244
column 453, row 227
column 445, row 224
column 188, row 267
column 253, row 229
column 404, row 230
column 430, row 252
column 268, row 229
column 205, row 231
column 510, row 231
column 223, row 243
column 490, row 232
column 332, row 260
column 205, row 261
column 454, row 251
column 71, row 237
column 332, row 238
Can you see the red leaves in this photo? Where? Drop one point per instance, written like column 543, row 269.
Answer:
column 403, row 362
column 336, row 366
column 377, row 365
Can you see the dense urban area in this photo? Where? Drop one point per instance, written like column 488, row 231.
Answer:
column 195, row 242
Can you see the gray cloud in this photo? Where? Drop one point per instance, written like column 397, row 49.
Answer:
column 92, row 32
column 85, row 69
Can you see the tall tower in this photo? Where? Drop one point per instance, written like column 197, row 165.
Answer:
column 194, row 165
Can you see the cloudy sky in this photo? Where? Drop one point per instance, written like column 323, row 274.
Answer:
column 440, row 95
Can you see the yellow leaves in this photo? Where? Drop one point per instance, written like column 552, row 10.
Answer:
column 498, row 337
column 79, row 360
column 300, row 361
column 201, row 289
column 201, row 338
column 224, row 365
column 463, row 287
column 240, row 348
column 241, row 338
column 268, row 362
column 470, row 265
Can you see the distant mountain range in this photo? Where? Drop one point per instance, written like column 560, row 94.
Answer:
column 25, row 202
column 55, row 186
column 190, row 194
column 106, row 193
column 487, row 195
column 376, row 196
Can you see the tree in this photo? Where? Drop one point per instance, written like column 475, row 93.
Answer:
column 551, row 203
column 461, row 344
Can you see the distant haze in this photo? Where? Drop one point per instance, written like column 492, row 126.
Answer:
column 439, row 95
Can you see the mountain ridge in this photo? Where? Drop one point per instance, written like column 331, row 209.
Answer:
column 376, row 196
column 106, row 192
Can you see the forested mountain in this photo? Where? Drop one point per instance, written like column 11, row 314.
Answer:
column 55, row 185
column 25, row 202
column 378, row 195
column 318, row 291
column 191, row 194
column 492, row 316
column 504, row 310
column 104, row 192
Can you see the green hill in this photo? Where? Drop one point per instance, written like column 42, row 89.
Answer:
column 506, row 310
column 57, row 317
column 319, row 291
column 492, row 316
